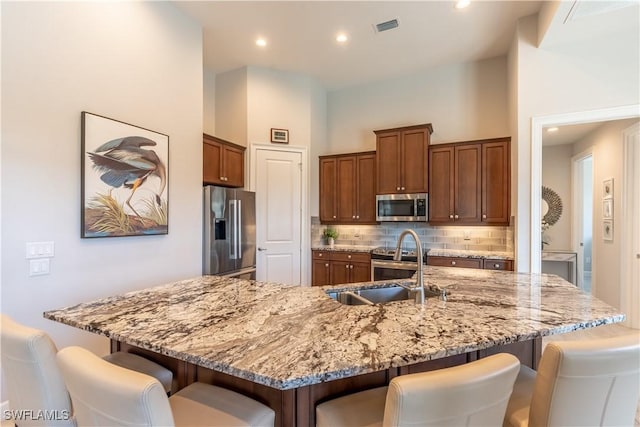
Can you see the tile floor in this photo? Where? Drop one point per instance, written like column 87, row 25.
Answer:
column 605, row 331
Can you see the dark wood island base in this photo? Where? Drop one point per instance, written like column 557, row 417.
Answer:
column 296, row 407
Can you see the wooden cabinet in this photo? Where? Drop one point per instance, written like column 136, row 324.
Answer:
column 337, row 267
column 470, row 183
column 223, row 162
column 402, row 159
column 347, row 188
column 479, row 263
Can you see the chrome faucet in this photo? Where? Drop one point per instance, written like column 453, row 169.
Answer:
column 397, row 256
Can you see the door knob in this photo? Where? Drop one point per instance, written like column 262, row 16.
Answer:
column 638, row 256
column 264, row 249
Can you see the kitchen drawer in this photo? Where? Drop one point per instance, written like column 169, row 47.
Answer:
column 454, row 262
column 351, row 256
column 321, row 254
column 498, row 264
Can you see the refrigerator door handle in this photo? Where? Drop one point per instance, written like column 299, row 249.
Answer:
column 239, row 232
column 233, row 241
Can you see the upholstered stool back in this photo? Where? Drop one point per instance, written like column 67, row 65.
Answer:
column 33, row 381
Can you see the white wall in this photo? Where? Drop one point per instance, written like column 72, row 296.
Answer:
column 139, row 62
column 231, row 106
column 594, row 74
column 209, row 102
column 556, row 174
column 607, row 146
column 462, row 101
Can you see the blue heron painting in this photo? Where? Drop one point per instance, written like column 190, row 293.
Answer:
column 114, row 204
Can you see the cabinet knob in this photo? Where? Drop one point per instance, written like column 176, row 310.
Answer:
column 450, row 216
column 349, row 256
column 222, row 178
column 353, row 217
column 402, row 188
column 326, row 265
column 320, row 254
column 453, row 263
column 456, row 216
column 357, row 216
column 496, row 265
column 398, row 188
column 334, row 217
column 351, row 266
column 484, row 216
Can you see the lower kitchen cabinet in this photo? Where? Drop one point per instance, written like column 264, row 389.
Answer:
column 479, row 263
column 336, row 267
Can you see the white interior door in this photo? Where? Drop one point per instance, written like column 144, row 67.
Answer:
column 630, row 254
column 278, row 187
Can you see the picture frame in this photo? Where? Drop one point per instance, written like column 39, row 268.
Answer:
column 607, row 209
column 607, row 230
column 280, row 136
column 607, row 188
column 124, row 179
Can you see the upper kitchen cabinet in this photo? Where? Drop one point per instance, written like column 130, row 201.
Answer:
column 347, row 188
column 402, row 159
column 223, row 162
column 469, row 182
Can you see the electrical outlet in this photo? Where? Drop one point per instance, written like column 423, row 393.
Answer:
column 466, row 235
column 38, row 267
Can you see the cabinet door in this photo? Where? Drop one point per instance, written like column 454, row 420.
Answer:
column 468, row 184
column 441, row 184
column 212, row 163
column 366, row 185
column 340, row 272
column 388, row 163
column 347, row 188
column 360, row 272
column 320, row 272
column 414, row 161
column 233, row 167
column 328, row 190
column 496, row 193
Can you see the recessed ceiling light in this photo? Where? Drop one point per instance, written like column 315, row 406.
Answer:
column 261, row 42
column 461, row 4
column 341, row 38
column 553, row 129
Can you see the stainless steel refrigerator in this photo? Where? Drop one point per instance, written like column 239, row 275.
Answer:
column 229, row 232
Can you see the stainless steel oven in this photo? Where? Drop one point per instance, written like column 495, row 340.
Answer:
column 383, row 267
column 401, row 207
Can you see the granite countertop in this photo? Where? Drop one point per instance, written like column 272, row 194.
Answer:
column 287, row 336
column 455, row 253
column 344, row 248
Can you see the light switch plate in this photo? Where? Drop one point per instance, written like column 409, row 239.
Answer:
column 40, row 250
column 38, row 267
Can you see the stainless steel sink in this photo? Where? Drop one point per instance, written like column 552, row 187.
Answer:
column 372, row 296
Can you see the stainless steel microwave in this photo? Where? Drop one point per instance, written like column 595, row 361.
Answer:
column 401, row 207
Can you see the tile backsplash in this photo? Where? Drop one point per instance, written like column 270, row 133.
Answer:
column 478, row 238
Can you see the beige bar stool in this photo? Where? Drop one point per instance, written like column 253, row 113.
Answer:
column 33, row 379
column 104, row 394
column 579, row 383
column 474, row 394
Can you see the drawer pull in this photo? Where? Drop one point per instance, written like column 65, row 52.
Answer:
column 320, row 254
column 453, row 263
column 349, row 256
column 496, row 265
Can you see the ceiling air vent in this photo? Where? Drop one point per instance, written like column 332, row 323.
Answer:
column 388, row 25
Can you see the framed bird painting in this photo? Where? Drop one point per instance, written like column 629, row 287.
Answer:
column 125, row 171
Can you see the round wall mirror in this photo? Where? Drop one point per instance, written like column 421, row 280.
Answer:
column 551, row 206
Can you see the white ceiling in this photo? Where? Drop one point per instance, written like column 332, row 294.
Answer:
column 568, row 134
column 301, row 36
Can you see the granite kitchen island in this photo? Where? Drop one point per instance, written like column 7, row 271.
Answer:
column 291, row 346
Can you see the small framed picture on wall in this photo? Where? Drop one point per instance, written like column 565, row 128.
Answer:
column 607, row 188
column 607, row 209
column 607, row 230
column 280, row 136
